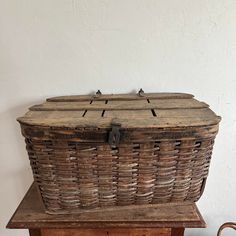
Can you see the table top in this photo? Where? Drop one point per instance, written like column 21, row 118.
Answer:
column 31, row 214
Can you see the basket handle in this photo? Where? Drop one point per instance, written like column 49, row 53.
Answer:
column 231, row 225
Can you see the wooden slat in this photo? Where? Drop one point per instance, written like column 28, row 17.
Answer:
column 120, row 97
column 128, row 119
column 105, row 122
column 178, row 103
column 140, row 103
column 74, row 117
column 129, row 114
column 184, row 113
column 54, row 115
column 31, row 214
column 121, row 105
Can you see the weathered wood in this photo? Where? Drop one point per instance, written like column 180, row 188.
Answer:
column 74, row 121
column 109, row 232
column 120, row 97
column 166, row 112
column 163, row 104
column 94, row 113
column 31, row 214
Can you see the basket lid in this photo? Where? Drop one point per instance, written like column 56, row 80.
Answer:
column 141, row 110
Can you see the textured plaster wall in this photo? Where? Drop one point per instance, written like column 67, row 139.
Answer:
column 56, row 47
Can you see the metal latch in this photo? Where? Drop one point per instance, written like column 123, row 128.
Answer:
column 97, row 94
column 114, row 135
column 141, row 93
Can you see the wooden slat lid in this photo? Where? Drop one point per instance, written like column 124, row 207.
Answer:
column 142, row 110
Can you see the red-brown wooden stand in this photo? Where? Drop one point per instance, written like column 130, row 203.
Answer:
column 149, row 220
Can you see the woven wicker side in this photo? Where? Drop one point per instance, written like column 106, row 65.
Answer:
column 203, row 149
column 41, row 155
column 166, row 169
column 127, row 168
column 65, row 174
column 74, row 170
column 107, row 172
column 184, row 173
column 147, row 169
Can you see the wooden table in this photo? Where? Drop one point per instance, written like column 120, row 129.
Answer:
column 149, row 220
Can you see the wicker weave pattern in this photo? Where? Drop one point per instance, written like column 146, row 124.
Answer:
column 74, row 174
column 121, row 149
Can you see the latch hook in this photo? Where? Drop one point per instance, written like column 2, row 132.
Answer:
column 114, row 135
column 141, row 92
column 97, row 94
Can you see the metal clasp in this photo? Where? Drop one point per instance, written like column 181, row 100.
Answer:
column 141, row 93
column 97, row 94
column 114, row 135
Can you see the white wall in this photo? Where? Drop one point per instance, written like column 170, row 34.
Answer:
column 59, row 47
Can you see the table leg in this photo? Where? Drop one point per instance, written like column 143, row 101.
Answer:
column 177, row 232
column 34, row 232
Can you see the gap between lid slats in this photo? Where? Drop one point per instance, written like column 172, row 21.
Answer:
column 95, row 114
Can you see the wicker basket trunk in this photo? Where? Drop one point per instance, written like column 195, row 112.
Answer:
column 114, row 150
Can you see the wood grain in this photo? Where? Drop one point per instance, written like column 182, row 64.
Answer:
column 121, row 105
column 31, row 214
column 74, row 121
column 120, row 97
column 108, row 232
column 161, row 110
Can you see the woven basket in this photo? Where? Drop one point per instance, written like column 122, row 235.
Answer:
column 115, row 150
